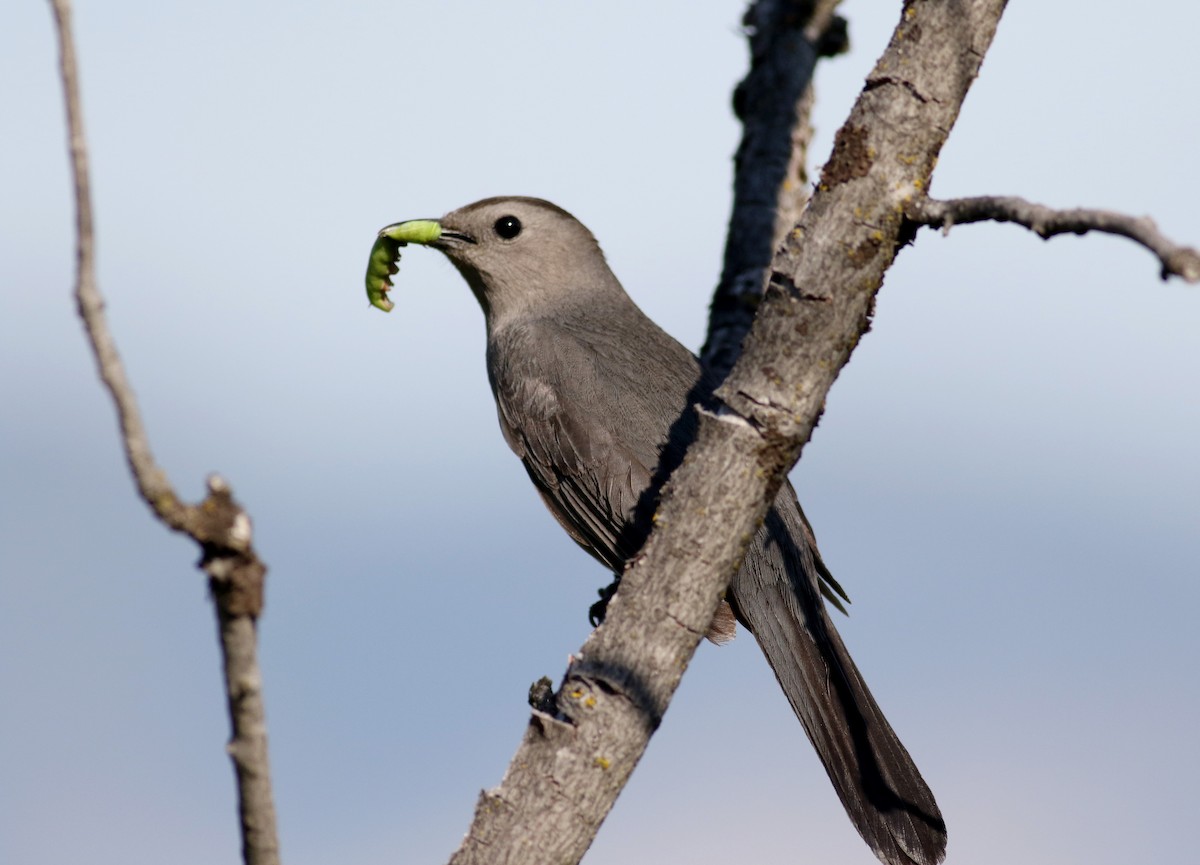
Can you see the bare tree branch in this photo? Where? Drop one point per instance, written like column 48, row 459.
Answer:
column 1046, row 222
column 218, row 524
column 770, row 185
column 573, row 762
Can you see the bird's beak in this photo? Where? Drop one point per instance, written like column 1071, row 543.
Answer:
column 386, row 253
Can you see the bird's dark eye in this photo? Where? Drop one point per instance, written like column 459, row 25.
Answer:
column 508, row 227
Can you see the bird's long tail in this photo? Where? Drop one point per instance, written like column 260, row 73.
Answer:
column 777, row 596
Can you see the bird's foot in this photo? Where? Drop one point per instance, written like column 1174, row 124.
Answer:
column 598, row 610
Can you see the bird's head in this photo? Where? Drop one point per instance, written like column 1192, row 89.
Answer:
column 519, row 255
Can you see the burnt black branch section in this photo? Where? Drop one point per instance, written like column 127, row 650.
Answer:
column 770, row 185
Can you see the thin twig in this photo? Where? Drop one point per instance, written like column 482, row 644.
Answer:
column 1046, row 222
column 218, row 524
column 151, row 480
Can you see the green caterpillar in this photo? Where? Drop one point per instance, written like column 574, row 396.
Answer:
column 385, row 256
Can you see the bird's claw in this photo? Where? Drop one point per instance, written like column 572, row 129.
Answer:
column 598, row 610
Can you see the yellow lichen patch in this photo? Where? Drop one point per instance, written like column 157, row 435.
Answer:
column 602, row 762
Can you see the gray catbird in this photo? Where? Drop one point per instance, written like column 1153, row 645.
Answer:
column 595, row 400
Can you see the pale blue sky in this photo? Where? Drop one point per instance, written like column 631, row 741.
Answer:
column 1006, row 478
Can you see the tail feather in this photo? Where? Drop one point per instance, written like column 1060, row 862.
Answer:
column 777, row 597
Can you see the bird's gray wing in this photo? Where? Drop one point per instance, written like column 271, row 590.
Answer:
column 558, row 416
column 831, row 589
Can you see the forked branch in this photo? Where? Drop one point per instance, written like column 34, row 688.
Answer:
column 575, row 759
column 218, row 524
